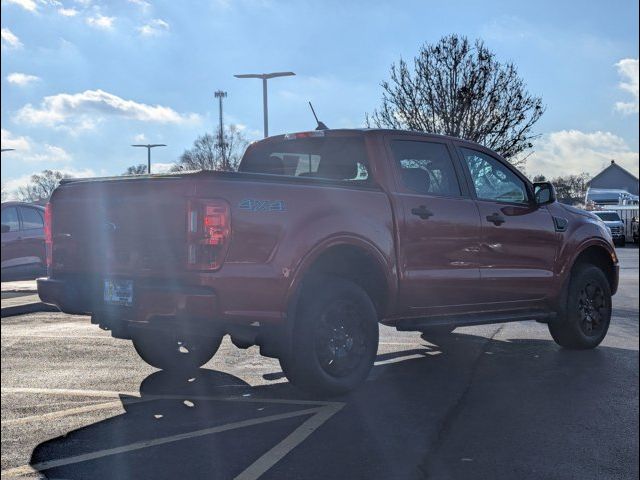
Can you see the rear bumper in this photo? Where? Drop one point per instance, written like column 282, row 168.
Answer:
column 85, row 296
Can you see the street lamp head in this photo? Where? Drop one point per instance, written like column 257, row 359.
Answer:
column 8, row 149
column 265, row 76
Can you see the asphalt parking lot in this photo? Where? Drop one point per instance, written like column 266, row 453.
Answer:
column 498, row 401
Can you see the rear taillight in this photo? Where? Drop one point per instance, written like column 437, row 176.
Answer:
column 208, row 233
column 48, row 234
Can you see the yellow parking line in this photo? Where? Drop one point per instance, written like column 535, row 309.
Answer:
column 26, row 469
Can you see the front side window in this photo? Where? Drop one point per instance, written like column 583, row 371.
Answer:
column 10, row 219
column 426, row 167
column 494, row 181
column 31, row 218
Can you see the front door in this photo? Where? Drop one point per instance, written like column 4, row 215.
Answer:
column 438, row 229
column 519, row 242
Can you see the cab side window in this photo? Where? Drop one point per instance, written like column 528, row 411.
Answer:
column 492, row 180
column 426, row 167
column 10, row 219
column 31, row 218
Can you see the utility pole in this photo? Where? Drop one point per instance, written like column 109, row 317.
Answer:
column 220, row 95
column 149, row 146
column 265, row 77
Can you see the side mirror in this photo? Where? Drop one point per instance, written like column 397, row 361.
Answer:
column 5, row 228
column 544, row 193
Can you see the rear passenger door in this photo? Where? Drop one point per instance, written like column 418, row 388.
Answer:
column 438, row 228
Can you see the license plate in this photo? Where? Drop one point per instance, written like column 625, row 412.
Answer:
column 118, row 292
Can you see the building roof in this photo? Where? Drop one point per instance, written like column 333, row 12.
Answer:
column 613, row 165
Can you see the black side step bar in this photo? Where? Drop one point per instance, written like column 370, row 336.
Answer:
column 412, row 324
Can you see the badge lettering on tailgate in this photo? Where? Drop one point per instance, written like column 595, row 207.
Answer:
column 253, row 205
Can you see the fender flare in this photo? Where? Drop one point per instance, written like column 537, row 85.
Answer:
column 388, row 269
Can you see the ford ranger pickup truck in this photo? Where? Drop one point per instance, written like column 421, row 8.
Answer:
column 317, row 239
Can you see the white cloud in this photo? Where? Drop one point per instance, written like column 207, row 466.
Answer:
column 140, row 138
column 21, row 79
column 153, row 27
column 141, row 3
column 68, row 12
column 159, row 167
column 20, row 143
column 573, row 151
column 29, row 152
column 628, row 70
column 84, row 110
column 9, row 39
column 101, row 21
column 29, row 5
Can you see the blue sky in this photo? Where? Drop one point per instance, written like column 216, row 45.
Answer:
column 83, row 79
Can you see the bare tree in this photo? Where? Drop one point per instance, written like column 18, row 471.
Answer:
column 457, row 88
column 140, row 169
column 571, row 189
column 206, row 153
column 41, row 186
column 5, row 193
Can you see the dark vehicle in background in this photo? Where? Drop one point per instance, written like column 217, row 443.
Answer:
column 23, row 246
column 318, row 238
column 615, row 225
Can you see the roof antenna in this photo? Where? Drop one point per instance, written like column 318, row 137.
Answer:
column 321, row 126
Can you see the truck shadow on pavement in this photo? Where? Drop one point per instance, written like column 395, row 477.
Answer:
column 466, row 407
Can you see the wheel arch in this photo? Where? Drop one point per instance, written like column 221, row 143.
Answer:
column 352, row 258
column 602, row 256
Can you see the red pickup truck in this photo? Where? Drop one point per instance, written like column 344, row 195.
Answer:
column 318, row 238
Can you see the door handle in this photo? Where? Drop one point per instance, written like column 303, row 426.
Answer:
column 496, row 219
column 423, row 212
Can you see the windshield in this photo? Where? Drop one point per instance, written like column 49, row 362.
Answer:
column 609, row 216
column 327, row 157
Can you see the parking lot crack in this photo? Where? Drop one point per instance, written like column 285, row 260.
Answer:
column 452, row 414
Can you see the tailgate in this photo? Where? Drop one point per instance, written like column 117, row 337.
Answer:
column 135, row 226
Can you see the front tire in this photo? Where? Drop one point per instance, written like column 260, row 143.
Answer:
column 335, row 338
column 173, row 353
column 587, row 315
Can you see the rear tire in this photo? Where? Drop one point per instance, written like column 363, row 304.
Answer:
column 587, row 313
column 174, row 354
column 335, row 338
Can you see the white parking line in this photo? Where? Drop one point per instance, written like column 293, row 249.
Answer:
column 321, row 411
column 38, row 467
column 63, row 413
column 299, row 435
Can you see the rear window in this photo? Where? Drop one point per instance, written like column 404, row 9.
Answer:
column 326, row 157
column 609, row 216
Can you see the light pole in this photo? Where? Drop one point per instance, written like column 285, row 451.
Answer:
column 8, row 150
column 265, row 77
column 220, row 95
column 149, row 146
